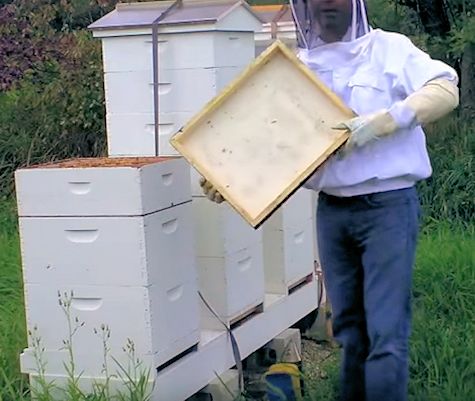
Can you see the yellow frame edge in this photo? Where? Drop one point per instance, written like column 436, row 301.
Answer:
column 234, row 85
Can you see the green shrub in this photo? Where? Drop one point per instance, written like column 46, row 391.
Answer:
column 450, row 193
column 54, row 113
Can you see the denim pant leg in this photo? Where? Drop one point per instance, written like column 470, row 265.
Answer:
column 343, row 272
column 388, row 234
column 367, row 248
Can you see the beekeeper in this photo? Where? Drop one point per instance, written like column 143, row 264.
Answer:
column 368, row 209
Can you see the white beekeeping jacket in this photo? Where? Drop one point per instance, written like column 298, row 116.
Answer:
column 370, row 70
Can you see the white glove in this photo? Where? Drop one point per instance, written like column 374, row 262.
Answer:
column 433, row 101
column 367, row 129
column 210, row 191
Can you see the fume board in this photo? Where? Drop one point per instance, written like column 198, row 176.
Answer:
column 265, row 134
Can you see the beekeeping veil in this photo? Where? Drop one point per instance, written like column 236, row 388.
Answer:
column 308, row 29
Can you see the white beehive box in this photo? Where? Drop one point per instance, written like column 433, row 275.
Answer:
column 219, row 230
column 288, row 256
column 89, row 361
column 130, row 51
column 180, row 91
column 233, row 285
column 230, row 261
column 118, row 234
column 156, row 249
column 289, row 243
column 160, row 324
column 86, row 383
column 137, row 132
column 103, row 187
column 199, row 47
column 299, row 208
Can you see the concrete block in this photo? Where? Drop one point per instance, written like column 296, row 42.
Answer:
column 287, row 346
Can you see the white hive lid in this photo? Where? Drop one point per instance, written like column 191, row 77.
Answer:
column 189, row 12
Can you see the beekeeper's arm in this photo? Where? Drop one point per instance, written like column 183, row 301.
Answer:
column 431, row 90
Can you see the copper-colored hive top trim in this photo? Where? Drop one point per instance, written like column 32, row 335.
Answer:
column 95, row 162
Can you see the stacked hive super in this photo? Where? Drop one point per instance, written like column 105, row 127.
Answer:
column 113, row 240
column 186, row 80
column 230, row 263
column 289, row 244
column 200, row 48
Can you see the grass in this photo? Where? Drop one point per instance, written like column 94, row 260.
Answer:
column 12, row 321
column 443, row 342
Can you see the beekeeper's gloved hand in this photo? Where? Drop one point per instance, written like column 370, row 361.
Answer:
column 433, row 101
column 210, row 191
column 367, row 129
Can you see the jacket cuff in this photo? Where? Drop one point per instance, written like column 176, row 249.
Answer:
column 403, row 115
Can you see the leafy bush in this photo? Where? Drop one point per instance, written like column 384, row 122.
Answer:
column 450, row 193
column 52, row 104
column 56, row 112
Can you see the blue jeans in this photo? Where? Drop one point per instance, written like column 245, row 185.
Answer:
column 367, row 247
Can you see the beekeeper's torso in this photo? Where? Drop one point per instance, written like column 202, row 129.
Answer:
column 371, row 73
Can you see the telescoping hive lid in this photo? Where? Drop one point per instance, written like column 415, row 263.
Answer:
column 265, row 134
column 199, row 13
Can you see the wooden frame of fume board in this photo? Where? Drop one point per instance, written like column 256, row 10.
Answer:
column 179, row 141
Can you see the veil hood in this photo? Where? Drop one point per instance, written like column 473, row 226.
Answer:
column 308, row 30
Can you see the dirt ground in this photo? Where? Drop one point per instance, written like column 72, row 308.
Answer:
column 319, row 360
column 316, row 358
